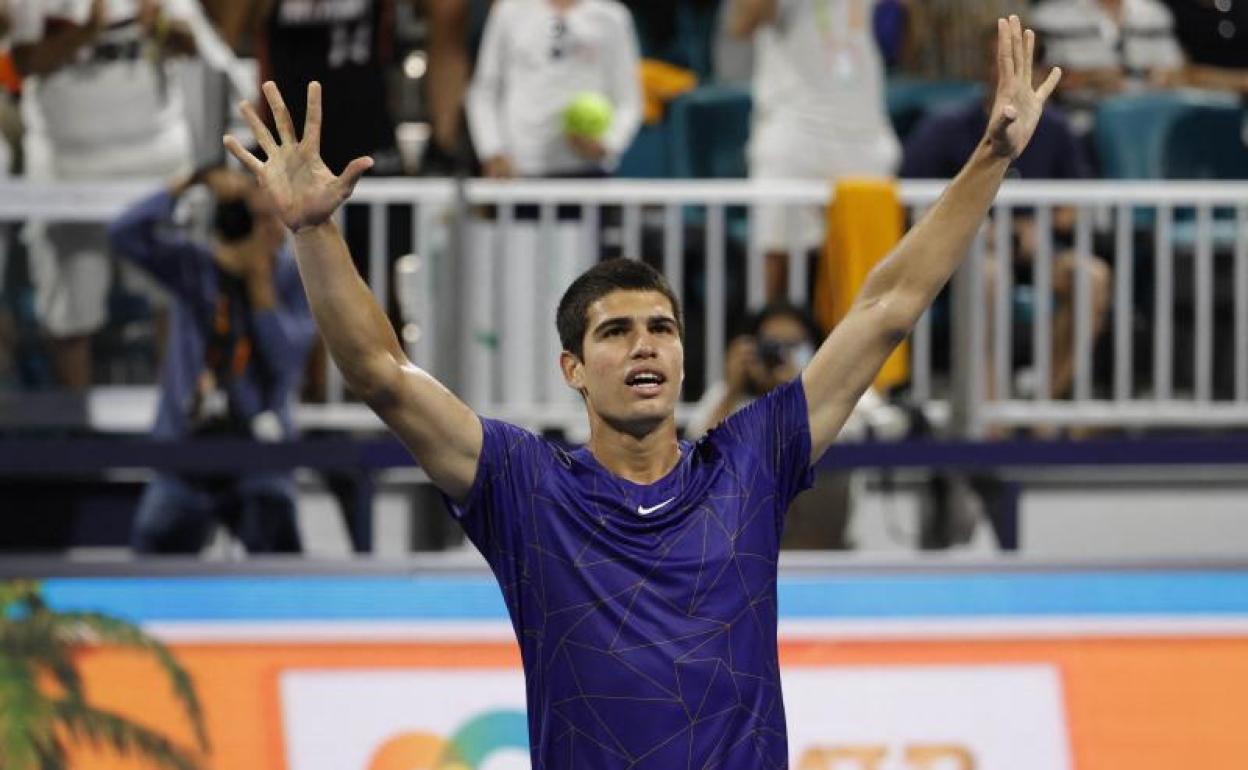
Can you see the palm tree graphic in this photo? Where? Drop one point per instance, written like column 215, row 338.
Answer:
column 42, row 704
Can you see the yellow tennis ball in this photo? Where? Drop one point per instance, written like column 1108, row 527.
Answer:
column 588, row 114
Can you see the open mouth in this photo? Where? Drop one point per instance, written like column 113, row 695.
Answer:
column 645, row 382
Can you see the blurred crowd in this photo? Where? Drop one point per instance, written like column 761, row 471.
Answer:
column 115, row 89
column 192, row 289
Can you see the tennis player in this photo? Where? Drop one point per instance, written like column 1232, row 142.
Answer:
column 639, row 571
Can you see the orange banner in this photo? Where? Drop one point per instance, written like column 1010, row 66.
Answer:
column 1129, row 704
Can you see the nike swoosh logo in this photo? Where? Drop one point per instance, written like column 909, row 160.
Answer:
column 643, row 511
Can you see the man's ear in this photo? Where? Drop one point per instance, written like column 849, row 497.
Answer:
column 573, row 370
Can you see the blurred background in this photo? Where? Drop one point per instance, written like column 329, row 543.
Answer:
column 1027, row 550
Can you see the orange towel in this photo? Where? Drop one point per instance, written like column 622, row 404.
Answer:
column 660, row 83
column 9, row 79
column 864, row 222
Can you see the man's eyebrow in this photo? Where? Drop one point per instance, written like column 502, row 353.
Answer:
column 615, row 321
column 662, row 319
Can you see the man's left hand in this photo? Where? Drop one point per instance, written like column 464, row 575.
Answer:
column 1019, row 104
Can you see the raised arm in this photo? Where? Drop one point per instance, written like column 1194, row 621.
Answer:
column 901, row 287
column 438, row 428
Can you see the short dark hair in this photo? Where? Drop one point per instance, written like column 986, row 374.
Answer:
column 781, row 309
column 572, row 318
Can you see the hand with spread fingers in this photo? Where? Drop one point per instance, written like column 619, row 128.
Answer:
column 305, row 192
column 1019, row 102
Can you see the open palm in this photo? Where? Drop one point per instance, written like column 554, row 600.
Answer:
column 1018, row 104
column 304, row 190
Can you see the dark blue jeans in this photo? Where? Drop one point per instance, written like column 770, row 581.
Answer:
column 178, row 515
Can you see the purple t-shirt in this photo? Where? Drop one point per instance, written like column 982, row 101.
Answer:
column 646, row 614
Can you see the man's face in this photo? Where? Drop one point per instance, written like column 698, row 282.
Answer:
column 632, row 363
column 785, row 347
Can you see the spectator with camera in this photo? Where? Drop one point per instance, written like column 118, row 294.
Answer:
column 240, row 335
column 781, row 341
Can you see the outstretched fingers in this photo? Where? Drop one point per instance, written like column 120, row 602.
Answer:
column 1018, row 47
column 1005, row 53
column 1049, row 85
column 249, row 161
column 1029, row 56
column 312, row 120
column 352, row 173
column 281, row 115
column 258, row 129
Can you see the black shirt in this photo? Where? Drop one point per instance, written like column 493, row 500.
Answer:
column 346, row 45
column 1210, row 36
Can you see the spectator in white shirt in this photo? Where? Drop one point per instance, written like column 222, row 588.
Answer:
column 819, row 110
column 536, row 57
column 99, row 103
column 1106, row 47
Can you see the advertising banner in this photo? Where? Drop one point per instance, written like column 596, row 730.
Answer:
column 1061, row 671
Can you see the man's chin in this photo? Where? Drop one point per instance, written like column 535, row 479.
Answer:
column 642, row 417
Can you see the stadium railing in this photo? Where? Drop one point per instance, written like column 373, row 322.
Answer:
column 490, row 260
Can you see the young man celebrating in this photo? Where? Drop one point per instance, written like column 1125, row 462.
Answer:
column 640, row 571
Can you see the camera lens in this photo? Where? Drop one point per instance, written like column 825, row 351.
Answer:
column 233, row 220
column 771, row 353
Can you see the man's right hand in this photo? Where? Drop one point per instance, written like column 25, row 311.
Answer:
column 305, row 192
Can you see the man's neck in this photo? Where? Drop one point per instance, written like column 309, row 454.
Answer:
column 562, row 5
column 640, row 459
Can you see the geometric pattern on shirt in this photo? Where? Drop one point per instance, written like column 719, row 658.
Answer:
column 707, row 695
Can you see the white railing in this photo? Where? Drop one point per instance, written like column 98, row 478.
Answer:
column 479, row 294
column 1195, row 232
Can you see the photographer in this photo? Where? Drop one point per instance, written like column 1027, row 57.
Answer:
column 239, row 337
column 781, row 341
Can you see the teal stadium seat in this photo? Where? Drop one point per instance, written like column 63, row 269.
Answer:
column 710, row 127
column 653, row 151
column 1132, row 140
column 649, row 156
column 1207, row 141
column 1130, row 130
